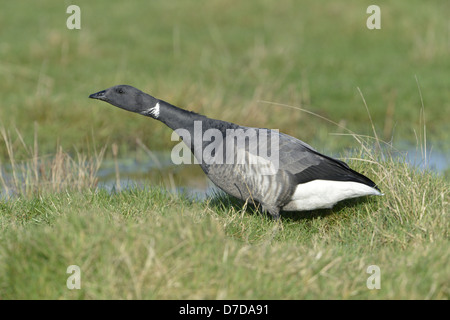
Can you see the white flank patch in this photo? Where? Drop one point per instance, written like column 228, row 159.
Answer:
column 154, row 111
column 322, row 194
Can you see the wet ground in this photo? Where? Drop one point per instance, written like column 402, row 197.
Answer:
column 159, row 170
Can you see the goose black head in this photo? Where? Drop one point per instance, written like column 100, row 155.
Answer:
column 129, row 98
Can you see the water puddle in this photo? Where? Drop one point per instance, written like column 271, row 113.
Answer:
column 191, row 180
column 159, row 170
column 128, row 173
column 436, row 161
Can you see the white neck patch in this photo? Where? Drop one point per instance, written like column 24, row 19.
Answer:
column 153, row 111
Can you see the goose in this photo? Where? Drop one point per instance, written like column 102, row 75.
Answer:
column 289, row 176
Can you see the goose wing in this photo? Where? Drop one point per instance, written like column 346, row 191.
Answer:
column 307, row 164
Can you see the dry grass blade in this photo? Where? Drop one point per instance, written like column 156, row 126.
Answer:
column 311, row 113
column 423, row 141
column 361, row 139
column 42, row 173
column 377, row 140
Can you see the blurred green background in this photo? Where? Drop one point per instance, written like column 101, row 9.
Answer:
column 222, row 59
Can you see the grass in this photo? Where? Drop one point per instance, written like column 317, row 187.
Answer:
column 148, row 245
column 144, row 243
column 226, row 62
column 43, row 173
column 222, row 61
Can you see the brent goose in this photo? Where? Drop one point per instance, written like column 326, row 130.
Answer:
column 284, row 175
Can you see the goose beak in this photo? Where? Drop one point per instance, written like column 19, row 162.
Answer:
column 98, row 95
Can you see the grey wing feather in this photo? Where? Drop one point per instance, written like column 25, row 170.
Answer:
column 306, row 164
column 296, row 155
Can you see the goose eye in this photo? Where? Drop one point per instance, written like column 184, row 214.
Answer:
column 120, row 90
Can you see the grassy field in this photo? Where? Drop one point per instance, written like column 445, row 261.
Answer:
column 223, row 60
column 226, row 61
column 144, row 243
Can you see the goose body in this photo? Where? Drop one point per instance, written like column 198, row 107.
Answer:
column 289, row 175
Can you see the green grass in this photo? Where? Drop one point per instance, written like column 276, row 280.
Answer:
column 148, row 244
column 223, row 61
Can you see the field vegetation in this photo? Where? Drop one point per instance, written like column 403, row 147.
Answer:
column 310, row 69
